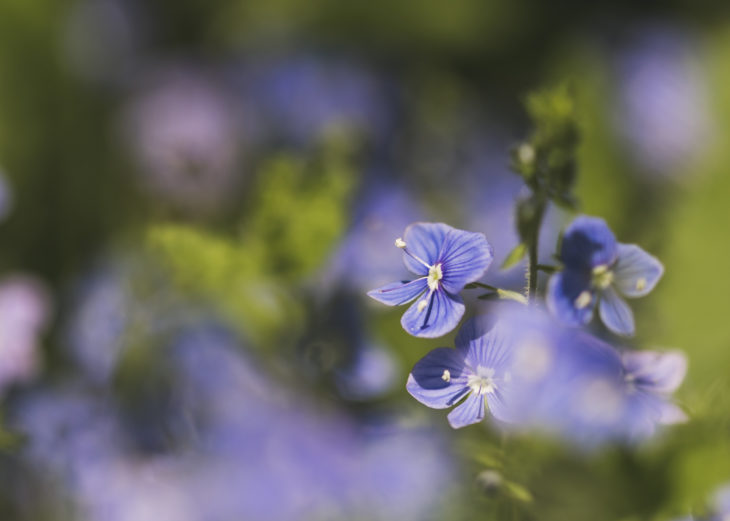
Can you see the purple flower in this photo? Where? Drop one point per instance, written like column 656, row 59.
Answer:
column 597, row 271
column 535, row 375
column 651, row 377
column 446, row 259
column 24, row 313
column 478, row 371
column 184, row 134
column 572, row 384
column 662, row 112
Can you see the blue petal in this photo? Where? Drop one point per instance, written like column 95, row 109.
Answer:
column 464, row 258
column 424, row 240
column 499, row 407
column 670, row 414
column 588, row 242
column 427, row 384
column 636, row 272
column 658, row 372
column 491, row 349
column 441, row 315
column 564, row 290
column 616, row 313
column 469, row 411
column 397, row 293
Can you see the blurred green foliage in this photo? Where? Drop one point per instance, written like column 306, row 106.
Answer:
column 291, row 226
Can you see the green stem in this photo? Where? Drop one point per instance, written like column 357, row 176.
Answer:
column 532, row 245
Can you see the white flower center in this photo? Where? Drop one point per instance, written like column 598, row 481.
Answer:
column 434, row 276
column 482, row 381
column 602, row 276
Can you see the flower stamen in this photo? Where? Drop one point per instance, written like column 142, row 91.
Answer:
column 602, row 276
column 435, row 274
column 583, row 300
column 482, row 381
column 400, row 243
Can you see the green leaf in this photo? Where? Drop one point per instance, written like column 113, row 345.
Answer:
column 517, row 491
column 515, row 256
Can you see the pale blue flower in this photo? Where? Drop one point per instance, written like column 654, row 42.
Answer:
column 477, row 372
column 446, row 260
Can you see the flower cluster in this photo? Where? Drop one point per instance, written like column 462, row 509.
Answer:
column 521, row 365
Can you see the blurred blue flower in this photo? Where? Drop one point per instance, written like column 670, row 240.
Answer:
column 371, row 373
column 572, row 384
column 651, row 377
column 446, row 259
column 100, row 319
column 721, row 503
column 477, row 371
column 302, row 98
column 184, row 133
column 663, row 108
column 24, row 313
column 596, row 270
column 255, row 451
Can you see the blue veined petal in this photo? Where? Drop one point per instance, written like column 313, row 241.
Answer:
column 490, row 349
column 431, row 384
column 570, row 297
column 469, row 411
column 636, row 272
column 588, row 242
column 424, row 240
column 615, row 313
column 440, row 314
column 464, row 258
column 499, row 407
column 473, row 329
column 658, row 372
column 397, row 293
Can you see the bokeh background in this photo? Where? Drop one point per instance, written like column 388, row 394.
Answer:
column 195, row 197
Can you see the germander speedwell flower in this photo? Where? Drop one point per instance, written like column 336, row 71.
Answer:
column 477, row 371
column 446, row 259
column 597, row 271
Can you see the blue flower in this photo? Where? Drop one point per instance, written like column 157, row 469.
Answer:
column 477, row 371
column 446, row 259
column 651, row 377
column 597, row 271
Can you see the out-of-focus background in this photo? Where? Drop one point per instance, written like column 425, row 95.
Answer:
column 195, row 197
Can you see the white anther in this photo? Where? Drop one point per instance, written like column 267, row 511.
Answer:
column 422, row 305
column 400, row 243
column 446, row 377
column 640, row 284
column 583, row 300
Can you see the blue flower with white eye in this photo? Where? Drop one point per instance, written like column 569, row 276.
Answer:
column 598, row 270
column 477, row 371
column 446, row 260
